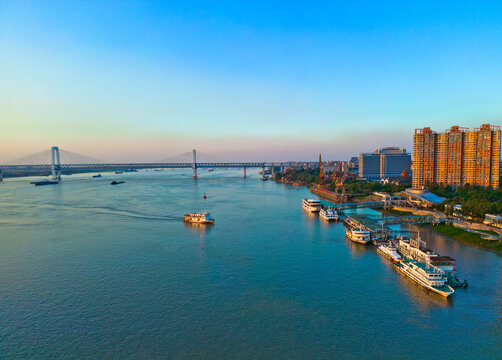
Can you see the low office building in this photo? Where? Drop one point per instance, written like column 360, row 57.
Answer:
column 389, row 162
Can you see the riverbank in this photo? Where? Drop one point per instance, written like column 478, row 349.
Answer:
column 467, row 237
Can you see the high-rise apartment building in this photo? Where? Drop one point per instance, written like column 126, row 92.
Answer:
column 457, row 156
column 385, row 162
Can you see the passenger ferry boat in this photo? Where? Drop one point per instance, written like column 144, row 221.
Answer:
column 311, row 205
column 389, row 251
column 427, row 275
column 199, row 218
column 358, row 235
column 328, row 215
column 416, row 249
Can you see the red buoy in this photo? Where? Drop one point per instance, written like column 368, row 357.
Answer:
column 204, row 196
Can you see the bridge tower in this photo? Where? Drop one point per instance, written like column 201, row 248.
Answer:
column 56, row 164
column 194, row 164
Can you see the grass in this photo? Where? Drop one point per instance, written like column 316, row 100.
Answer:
column 467, row 237
column 396, row 212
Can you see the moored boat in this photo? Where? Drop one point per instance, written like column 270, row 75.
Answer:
column 328, row 215
column 416, row 249
column 358, row 235
column 311, row 205
column 389, row 251
column 45, row 182
column 200, row 218
column 427, row 275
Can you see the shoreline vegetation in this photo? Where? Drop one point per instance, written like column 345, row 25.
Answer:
column 466, row 237
column 476, row 201
column 363, row 188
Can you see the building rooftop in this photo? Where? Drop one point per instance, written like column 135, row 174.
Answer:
column 425, row 195
column 442, row 259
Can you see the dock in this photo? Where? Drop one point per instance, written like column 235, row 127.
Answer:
column 378, row 227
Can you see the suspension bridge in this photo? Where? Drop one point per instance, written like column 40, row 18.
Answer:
column 56, row 162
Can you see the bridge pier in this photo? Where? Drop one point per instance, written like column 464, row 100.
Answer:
column 1, row 175
column 272, row 172
column 194, row 164
column 263, row 172
column 56, row 164
column 244, row 173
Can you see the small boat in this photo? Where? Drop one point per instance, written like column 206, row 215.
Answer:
column 118, row 172
column 311, row 205
column 199, row 218
column 427, row 275
column 209, row 170
column 45, row 182
column 358, row 235
column 389, row 251
column 116, row 182
column 328, row 215
column 96, row 176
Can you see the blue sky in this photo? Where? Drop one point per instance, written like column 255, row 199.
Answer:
column 243, row 80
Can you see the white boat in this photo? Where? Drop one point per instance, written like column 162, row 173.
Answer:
column 416, row 249
column 311, row 205
column 358, row 235
column 328, row 215
column 389, row 251
column 200, row 218
column 427, row 275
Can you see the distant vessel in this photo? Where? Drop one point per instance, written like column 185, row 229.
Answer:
column 96, row 176
column 426, row 275
column 200, row 218
column 116, row 182
column 311, row 205
column 209, row 170
column 44, row 182
column 358, row 235
column 389, row 251
column 118, row 172
column 328, row 215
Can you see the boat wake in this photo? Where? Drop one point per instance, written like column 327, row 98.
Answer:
column 100, row 210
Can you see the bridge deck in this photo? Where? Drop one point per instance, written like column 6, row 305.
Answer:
column 46, row 168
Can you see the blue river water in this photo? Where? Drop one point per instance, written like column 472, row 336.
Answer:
column 89, row 270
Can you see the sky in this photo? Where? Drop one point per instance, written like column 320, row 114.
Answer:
column 243, row 80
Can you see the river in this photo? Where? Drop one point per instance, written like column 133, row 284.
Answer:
column 90, row 270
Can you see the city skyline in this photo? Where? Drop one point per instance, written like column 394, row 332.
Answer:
column 247, row 81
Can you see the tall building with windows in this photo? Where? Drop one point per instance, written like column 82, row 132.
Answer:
column 457, row 156
column 385, row 162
